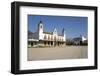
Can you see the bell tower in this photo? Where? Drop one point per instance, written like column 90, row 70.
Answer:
column 40, row 30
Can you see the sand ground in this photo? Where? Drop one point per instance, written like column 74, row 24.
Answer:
column 52, row 53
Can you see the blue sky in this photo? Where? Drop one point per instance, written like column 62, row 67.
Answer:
column 73, row 25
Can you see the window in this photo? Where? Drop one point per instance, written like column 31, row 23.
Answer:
column 41, row 26
column 45, row 37
column 48, row 37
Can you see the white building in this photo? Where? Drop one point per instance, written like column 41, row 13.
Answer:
column 80, row 40
column 40, row 37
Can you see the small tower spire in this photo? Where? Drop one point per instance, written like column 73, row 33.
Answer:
column 40, row 21
column 55, row 31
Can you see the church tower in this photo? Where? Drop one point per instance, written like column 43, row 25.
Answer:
column 64, row 34
column 40, row 30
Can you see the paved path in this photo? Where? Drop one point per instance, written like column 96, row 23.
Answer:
column 68, row 52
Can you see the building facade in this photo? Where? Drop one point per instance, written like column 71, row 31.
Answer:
column 80, row 40
column 42, row 38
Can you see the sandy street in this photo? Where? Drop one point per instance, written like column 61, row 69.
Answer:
column 52, row 53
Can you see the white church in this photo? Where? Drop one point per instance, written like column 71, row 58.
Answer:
column 42, row 38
